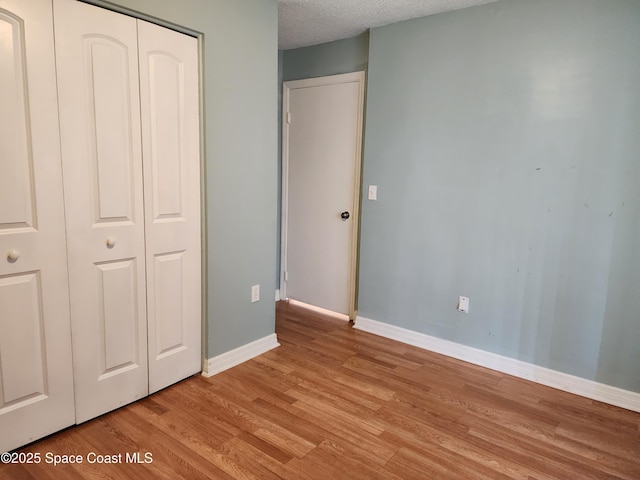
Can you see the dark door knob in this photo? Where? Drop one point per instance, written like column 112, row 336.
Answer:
column 344, row 215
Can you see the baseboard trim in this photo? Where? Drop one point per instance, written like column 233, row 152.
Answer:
column 545, row 376
column 239, row 355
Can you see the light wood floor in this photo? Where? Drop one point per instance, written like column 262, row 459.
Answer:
column 336, row 403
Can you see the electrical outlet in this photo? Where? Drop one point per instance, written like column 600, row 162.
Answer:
column 463, row 304
column 255, row 293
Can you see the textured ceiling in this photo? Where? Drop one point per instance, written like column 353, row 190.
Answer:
column 309, row 22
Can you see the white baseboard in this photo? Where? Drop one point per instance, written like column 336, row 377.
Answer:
column 239, row 355
column 517, row 368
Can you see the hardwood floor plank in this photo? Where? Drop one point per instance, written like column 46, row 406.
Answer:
column 437, row 462
column 21, row 472
column 180, row 455
column 337, row 403
column 337, row 410
column 277, row 469
column 288, row 416
column 191, row 396
column 338, row 376
column 274, row 412
column 333, row 456
column 324, row 383
column 266, row 448
column 549, row 457
column 358, row 442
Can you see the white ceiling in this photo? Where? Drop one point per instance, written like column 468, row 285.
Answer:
column 309, row 22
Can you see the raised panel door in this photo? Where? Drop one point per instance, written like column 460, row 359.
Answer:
column 97, row 55
column 170, row 139
column 36, row 380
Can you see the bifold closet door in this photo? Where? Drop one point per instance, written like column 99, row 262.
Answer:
column 171, row 153
column 36, row 380
column 97, row 62
column 130, row 147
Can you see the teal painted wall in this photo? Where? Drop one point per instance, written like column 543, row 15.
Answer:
column 240, row 92
column 333, row 58
column 505, row 143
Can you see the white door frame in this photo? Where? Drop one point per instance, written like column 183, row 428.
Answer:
column 355, row 77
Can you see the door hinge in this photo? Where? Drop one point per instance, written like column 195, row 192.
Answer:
column 286, row 276
column 288, row 118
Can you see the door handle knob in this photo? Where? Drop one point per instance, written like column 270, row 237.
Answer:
column 344, row 215
column 13, row 255
column 111, row 242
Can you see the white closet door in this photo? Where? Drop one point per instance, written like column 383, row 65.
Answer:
column 97, row 60
column 36, row 381
column 170, row 133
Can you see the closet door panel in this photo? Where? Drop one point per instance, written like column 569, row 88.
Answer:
column 171, row 146
column 36, row 380
column 97, row 58
column 15, row 181
column 168, row 305
column 118, row 320
column 21, row 346
column 112, row 156
column 166, row 114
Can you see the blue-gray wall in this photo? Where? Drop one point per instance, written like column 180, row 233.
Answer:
column 240, row 92
column 505, row 143
column 342, row 56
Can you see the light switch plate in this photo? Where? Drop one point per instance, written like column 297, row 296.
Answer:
column 373, row 192
column 463, row 304
column 255, row 293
